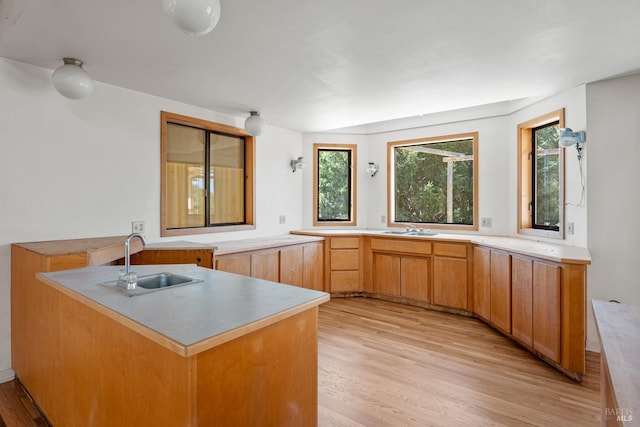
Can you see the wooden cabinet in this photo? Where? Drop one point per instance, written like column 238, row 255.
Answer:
column 386, row 274
column 501, row 290
column 522, row 299
column 202, row 257
column 344, row 264
column 450, row 275
column 414, row 278
column 482, row 282
column 546, row 309
column 297, row 265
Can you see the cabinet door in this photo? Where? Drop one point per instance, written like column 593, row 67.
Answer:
column 386, row 274
column 482, row 282
column 265, row 265
column 501, row 290
column 414, row 278
column 522, row 299
column 291, row 262
column 238, row 264
column 450, row 282
column 312, row 267
column 546, row 309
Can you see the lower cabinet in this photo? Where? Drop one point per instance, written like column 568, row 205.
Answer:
column 401, row 276
column 482, row 282
column 501, row 290
column 450, row 282
column 297, row 265
column 344, row 260
column 546, row 310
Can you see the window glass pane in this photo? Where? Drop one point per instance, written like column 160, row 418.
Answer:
column 546, row 177
column 185, row 176
column 227, row 179
column 433, row 182
column 334, row 185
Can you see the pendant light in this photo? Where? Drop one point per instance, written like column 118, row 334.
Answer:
column 195, row 17
column 71, row 80
column 254, row 125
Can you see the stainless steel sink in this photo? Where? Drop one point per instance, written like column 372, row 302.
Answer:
column 410, row 233
column 396, row 232
column 153, row 282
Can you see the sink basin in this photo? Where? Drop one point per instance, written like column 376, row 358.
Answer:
column 152, row 283
column 396, row 232
column 163, row 280
column 410, row 233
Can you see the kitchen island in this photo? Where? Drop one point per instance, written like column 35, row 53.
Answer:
column 225, row 350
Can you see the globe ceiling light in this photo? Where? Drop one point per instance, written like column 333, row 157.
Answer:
column 254, row 125
column 195, row 17
column 71, row 80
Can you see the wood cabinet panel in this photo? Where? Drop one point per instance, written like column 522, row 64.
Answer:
column 546, row 309
column 501, row 290
column 456, row 250
column 264, row 265
column 386, row 275
column 313, row 269
column 345, row 259
column 345, row 242
column 522, row 299
column 482, row 282
column 450, row 282
column 414, row 278
column 401, row 245
column 345, row 281
column 291, row 265
column 201, row 257
column 237, row 263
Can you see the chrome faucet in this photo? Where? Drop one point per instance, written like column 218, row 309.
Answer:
column 128, row 279
column 411, row 228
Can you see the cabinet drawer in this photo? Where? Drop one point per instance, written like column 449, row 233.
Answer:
column 345, row 242
column 401, row 245
column 345, row 281
column 345, row 259
column 455, row 250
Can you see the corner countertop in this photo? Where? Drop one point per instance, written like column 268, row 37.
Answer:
column 192, row 318
column 235, row 246
column 544, row 250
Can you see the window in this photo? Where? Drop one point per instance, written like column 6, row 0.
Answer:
column 541, row 176
column 207, row 176
column 434, row 181
column 334, row 184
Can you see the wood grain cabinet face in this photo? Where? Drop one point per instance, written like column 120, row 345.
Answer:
column 344, row 264
column 450, row 282
column 501, row 290
column 482, row 282
column 291, row 265
column 386, row 274
column 414, row 278
column 312, row 266
column 236, row 263
column 522, row 299
column 546, row 309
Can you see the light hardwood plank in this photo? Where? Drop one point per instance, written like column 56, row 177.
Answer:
column 386, row 364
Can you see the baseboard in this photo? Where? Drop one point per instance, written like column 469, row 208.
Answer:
column 6, row 375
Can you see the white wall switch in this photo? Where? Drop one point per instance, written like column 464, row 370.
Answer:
column 570, row 229
column 485, row 222
column 282, row 219
column 137, row 227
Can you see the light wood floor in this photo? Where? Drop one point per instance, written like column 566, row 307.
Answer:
column 385, row 364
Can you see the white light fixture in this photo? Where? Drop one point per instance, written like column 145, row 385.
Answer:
column 195, row 17
column 254, row 125
column 372, row 169
column 568, row 138
column 71, row 80
column 297, row 164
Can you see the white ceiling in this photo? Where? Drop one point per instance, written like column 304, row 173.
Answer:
column 326, row 64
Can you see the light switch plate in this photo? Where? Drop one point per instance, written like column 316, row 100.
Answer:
column 137, row 227
column 485, row 222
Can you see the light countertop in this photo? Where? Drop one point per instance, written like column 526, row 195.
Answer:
column 529, row 247
column 192, row 318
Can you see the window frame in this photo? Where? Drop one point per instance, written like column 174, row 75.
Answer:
column 391, row 222
column 249, row 164
column 354, row 181
column 525, row 223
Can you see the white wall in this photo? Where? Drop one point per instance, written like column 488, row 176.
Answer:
column 74, row 169
column 613, row 140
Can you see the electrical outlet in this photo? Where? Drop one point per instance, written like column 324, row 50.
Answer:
column 383, row 219
column 570, row 229
column 137, row 227
column 282, row 219
column 485, row 222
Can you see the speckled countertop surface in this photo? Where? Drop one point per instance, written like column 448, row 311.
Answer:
column 190, row 318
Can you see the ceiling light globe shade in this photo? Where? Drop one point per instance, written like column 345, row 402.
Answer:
column 254, row 125
column 195, row 17
column 71, row 80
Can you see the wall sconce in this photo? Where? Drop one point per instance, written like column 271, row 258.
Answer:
column 254, row 125
column 297, row 164
column 372, row 169
column 71, row 80
column 196, row 18
column 568, row 138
